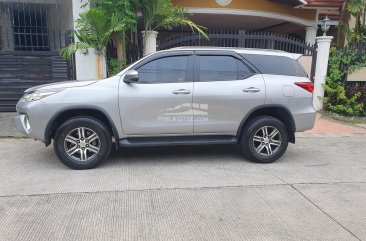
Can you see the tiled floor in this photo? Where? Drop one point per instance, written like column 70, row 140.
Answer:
column 324, row 125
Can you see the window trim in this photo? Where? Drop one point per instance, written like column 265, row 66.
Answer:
column 163, row 55
column 250, row 69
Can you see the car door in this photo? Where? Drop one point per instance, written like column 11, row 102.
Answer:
column 225, row 90
column 161, row 101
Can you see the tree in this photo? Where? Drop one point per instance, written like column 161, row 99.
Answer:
column 357, row 9
column 94, row 29
column 161, row 14
column 125, row 8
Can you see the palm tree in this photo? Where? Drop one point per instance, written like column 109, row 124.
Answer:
column 94, row 29
column 125, row 8
column 160, row 14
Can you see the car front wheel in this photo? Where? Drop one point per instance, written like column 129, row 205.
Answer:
column 265, row 139
column 82, row 143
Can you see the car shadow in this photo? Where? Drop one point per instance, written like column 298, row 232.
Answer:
column 167, row 153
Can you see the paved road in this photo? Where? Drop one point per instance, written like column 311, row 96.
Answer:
column 317, row 191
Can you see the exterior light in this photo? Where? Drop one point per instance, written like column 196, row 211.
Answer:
column 325, row 25
column 26, row 123
column 84, row 51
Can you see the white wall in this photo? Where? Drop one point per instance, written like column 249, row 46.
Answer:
column 85, row 63
column 306, row 62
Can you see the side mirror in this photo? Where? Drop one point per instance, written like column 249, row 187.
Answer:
column 132, row 76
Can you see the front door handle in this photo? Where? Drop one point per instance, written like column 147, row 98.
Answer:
column 181, row 92
column 251, row 90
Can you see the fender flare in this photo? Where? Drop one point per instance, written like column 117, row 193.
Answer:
column 51, row 123
column 291, row 128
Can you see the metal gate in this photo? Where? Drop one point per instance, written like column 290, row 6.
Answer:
column 245, row 39
column 31, row 34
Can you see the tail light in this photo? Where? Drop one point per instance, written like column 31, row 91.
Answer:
column 309, row 86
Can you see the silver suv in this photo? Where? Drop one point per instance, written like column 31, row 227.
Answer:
column 257, row 99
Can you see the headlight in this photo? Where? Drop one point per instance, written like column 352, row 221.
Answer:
column 39, row 94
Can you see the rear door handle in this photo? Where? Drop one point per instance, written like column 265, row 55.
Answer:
column 181, row 92
column 251, row 90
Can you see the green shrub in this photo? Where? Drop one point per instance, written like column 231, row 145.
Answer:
column 337, row 98
column 115, row 66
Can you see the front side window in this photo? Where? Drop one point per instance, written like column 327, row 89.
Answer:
column 164, row 70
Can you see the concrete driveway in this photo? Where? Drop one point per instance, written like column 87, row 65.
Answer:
column 317, row 191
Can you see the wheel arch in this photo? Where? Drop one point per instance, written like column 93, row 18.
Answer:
column 278, row 111
column 62, row 115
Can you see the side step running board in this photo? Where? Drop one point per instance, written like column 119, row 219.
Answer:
column 177, row 141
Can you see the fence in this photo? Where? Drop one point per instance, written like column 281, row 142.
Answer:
column 31, row 34
column 242, row 39
column 245, row 39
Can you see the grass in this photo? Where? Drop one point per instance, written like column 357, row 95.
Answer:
column 346, row 119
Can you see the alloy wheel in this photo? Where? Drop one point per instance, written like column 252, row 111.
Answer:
column 82, row 144
column 267, row 140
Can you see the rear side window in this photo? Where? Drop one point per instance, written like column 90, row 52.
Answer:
column 164, row 70
column 277, row 65
column 221, row 68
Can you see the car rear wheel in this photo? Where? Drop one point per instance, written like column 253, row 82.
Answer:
column 264, row 140
column 82, row 143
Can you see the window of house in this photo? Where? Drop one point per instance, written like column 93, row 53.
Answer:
column 30, row 28
column 164, row 70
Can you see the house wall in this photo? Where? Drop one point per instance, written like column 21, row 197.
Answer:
column 358, row 75
column 257, row 5
column 306, row 62
column 59, row 21
column 6, row 33
column 85, row 63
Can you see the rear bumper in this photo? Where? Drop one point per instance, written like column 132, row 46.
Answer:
column 305, row 121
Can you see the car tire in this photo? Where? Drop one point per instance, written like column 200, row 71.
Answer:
column 264, row 140
column 82, row 143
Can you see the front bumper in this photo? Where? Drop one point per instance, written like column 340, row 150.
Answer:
column 37, row 115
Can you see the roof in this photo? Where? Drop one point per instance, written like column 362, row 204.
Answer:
column 325, row 3
column 331, row 8
column 292, row 3
column 239, row 50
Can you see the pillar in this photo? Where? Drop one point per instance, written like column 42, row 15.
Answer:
column 149, row 38
column 310, row 37
column 321, row 70
column 85, row 61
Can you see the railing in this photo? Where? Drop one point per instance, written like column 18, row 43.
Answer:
column 243, row 39
column 31, row 34
column 34, row 25
column 33, row 39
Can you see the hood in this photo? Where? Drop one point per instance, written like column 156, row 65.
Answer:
column 62, row 85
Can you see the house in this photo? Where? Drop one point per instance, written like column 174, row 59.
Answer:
column 33, row 31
